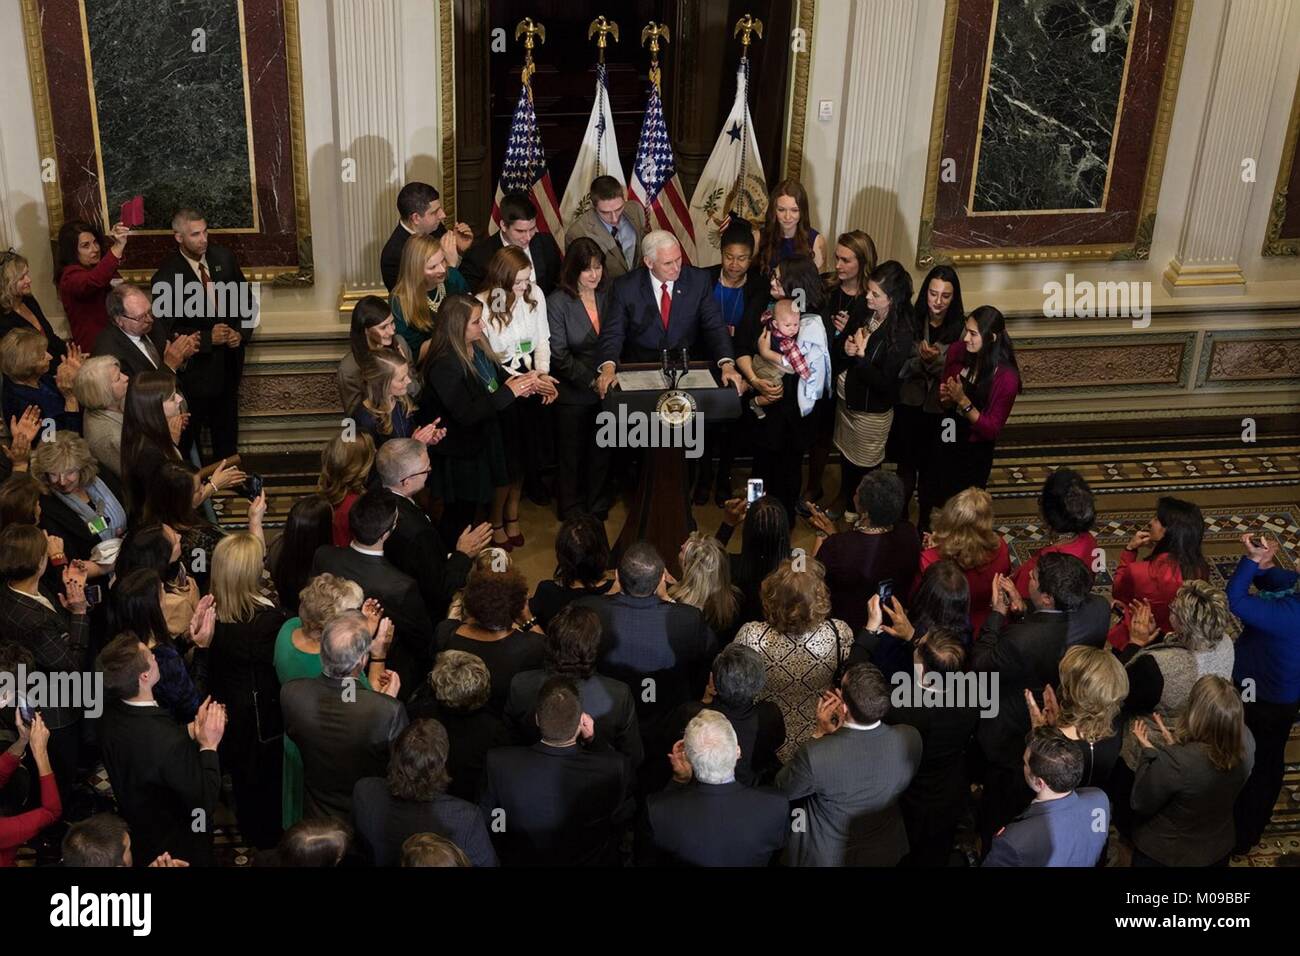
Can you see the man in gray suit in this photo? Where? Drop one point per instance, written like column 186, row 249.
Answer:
column 613, row 223
column 852, row 773
column 343, row 730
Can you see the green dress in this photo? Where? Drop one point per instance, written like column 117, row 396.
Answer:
column 290, row 664
column 454, row 284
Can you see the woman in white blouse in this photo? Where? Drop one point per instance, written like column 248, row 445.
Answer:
column 516, row 328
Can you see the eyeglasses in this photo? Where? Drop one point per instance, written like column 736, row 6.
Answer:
column 417, row 474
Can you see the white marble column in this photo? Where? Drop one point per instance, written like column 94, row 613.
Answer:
column 369, row 130
column 1213, row 240
column 876, row 104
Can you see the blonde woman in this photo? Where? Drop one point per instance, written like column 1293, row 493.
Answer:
column 101, row 388
column 1094, row 685
column 419, row 293
column 1188, row 779
column 241, row 674
column 297, row 654
column 705, row 583
column 29, row 379
column 963, row 532
column 518, row 332
column 802, row 646
column 77, row 504
column 344, row 469
column 19, row 308
column 386, row 410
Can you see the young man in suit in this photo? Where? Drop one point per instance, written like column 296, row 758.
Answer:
column 345, row 732
column 1025, row 654
column 614, row 224
column 1062, row 826
column 650, row 643
column 562, row 801
column 166, row 778
column 706, row 817
column 136, row 339
column 664, row 305
column 414, row 547
column 519, row 229
column 420, row 213
column 371, row 521
column 853, row 772
column 200, row 271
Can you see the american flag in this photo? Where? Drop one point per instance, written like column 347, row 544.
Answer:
column 654, row 179
column 525, row 171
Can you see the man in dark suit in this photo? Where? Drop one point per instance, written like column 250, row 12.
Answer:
column 664, row 305
column 1025, row 654
column 165, row 783
column 660, row 649
column 713, row 820
column 209, row 275
column 1063, row 826
column 519, row 229
column 136, row 339
column 344, row 731
column 736, row 678
column 415, row 547
column 572, row 645
column 420, row 213
column 371, row 521
column 559, row 802
column 613, row 224
column 852, row 773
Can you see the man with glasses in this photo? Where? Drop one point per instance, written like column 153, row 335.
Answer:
column 415, row 547
column 138, row 342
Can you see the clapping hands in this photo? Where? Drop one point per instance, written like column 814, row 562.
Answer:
column 203, row 622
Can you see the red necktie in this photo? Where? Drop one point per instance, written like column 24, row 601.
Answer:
column 204, row 277
column 665, row 304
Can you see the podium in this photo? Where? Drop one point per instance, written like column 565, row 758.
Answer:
column 659, row 510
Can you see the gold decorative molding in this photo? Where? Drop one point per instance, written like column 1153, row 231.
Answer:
column 305, row 273
column 799, row 97
column 1274, row 244
column 1102, row 365
column 447, row 67
column 926, row 254
column 1245, row 361
column 44, row 114
column 1182, row 278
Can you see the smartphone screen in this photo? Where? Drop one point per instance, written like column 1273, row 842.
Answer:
column 886, row 591
column 754, row 489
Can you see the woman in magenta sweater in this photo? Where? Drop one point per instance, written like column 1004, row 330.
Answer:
column 85, row 272
column 980, row 383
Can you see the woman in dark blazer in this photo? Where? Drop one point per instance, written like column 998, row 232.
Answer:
column 19, row 308
column 575, row 310
column 466, row 387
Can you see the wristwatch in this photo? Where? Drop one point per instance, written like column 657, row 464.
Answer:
column 965, row 409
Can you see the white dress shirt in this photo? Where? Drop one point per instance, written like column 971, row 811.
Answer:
column 526, row 324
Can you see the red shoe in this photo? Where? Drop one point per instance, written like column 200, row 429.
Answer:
column 508, row 544
column 516, row 540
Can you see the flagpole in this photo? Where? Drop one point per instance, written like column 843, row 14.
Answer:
column 654, row 32
column 601, row 28
column 528, row 29
column 745, row 26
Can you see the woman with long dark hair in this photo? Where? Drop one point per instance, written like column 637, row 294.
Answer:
column 574, row 312
column 466, row 387
column 310, row 524
column 153, row 418
column 135, row 607
column 84, row 272
column 866, row 390
column 156, row 547
column 937, row 321
column 374, row 327
column 981, row 380
column 1175, row 535
column 764, row 544
column 941, row 602
column 581, row 568
column 786, row 232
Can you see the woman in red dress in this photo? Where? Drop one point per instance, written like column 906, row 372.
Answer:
column 1068, row 511
column 1176, row 532
column 963, row 532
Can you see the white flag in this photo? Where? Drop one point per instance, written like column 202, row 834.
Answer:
column 598, row 155
column 732, row 181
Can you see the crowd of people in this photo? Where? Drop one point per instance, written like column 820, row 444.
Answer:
column 381, row 685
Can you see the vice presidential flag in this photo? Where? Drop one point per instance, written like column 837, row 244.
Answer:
column 597, row 156
column 525, row 171
column 655, row 184
column 732, row 182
